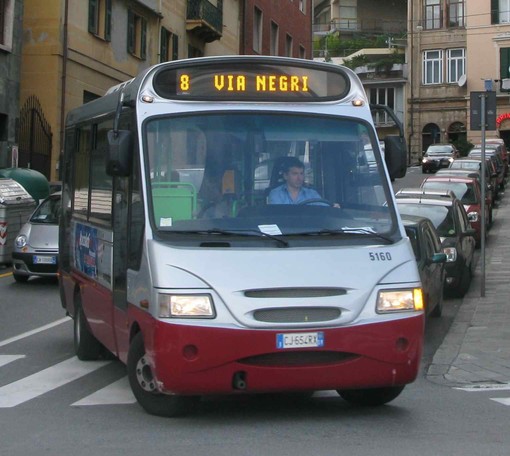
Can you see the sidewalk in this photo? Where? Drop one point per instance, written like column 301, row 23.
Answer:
column 476, row 350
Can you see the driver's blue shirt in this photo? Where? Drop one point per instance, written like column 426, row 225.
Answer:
column 280, row 195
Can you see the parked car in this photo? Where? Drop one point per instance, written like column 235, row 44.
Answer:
column 430, row 260
column 498, row 145
column 457, row 236
column 438, row 156
column 467, row 190
column 498, row 162
column 35, row 251
column 476, row 175
column 475, row 164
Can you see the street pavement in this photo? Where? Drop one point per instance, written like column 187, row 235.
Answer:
column 476, row 351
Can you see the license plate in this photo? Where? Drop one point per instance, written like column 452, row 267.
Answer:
column 45, row 259
column 300, row 340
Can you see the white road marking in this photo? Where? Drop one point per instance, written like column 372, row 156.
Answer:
column 6, row 359
column 501, row 400
column 34, row 331
column 46, row 380
column 118, row 392
column 486, row 387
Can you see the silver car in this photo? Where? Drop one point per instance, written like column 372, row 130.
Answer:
column 36, row 245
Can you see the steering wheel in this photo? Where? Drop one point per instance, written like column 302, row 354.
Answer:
column 315, row 200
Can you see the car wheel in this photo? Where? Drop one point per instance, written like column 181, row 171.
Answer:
column 20, row 278
column 144, row 386
column 86, row 346
column 438, row 310
column 372, row 396
column 464, row 282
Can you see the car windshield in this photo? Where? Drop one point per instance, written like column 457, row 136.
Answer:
column 439, row 150
column 463, row 191
column 441, row 216
column 463, row 164
column 276, row 174
column 47, row 212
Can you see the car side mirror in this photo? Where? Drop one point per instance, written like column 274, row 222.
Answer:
column 437, row 258
column 469, row 232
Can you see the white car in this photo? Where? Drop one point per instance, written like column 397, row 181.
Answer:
column 35, row 250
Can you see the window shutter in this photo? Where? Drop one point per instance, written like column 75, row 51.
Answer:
column 504, row 63
column 131, row 32
column 108, row 21
column 175, row 47
column 494, row 11
column 143, row 40
column 93, row 17
column 163, row 51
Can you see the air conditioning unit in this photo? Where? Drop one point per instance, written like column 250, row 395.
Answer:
column 505, row 85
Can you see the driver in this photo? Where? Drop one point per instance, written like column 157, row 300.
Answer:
column 293, row 191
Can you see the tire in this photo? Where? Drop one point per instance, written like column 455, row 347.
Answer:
column 86, row 346
column 144, row 389
column 370, row 397
column 464, row 283
column 438, row 310
column 20, row 278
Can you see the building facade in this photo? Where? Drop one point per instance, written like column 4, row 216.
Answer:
column 75, row 50
column 281, row 28
column 11, row 12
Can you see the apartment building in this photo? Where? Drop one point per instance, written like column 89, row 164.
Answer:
column 10, row 61
column 74, row 50
column 382, row 70
column 438, row 91
column 488, row 59
column 281, row 28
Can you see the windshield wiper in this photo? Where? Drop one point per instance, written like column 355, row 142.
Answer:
column 347, row 232
column 281, row 242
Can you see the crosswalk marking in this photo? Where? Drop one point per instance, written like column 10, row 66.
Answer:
column 34, row 331
column 485, row 387
column 6, row 359
column 501, row 400
column 46, row 380
column 118, row 392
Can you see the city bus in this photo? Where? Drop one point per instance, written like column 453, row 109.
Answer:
column 176, row 258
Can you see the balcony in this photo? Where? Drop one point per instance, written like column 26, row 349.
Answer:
column 205, row 20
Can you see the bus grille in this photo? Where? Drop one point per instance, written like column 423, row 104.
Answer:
column 297, row 314
column 300, row 358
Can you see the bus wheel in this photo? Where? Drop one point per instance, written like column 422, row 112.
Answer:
column 86, row 346
column 371, row 397
column 144, row 387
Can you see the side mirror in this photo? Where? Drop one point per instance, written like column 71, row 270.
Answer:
column 395, row 156
column 120, row 153
column 469, row 232
column 437, row 258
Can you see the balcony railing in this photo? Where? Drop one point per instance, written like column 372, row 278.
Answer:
column 205, row 20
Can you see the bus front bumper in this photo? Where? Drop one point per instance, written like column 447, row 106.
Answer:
column 195, row 360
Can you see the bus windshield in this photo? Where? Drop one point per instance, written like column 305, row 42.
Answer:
column 278, row 174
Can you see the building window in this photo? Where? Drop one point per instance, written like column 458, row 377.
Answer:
column 137, row 35
column 383, row 96
column 274, row 39
column 302, row 5
column 500, row 11
column 194, row 52
column 288, row 45
column 433, row 14
column 257, row 30
column 169, row 46
column 100, row 18
column 302, row 52
column 456, row 13
column 456, row 60
column 6, row 24
column 432, row 67
column 504, row 63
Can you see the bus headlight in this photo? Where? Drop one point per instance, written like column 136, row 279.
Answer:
column 399, row 300
column 186, row 306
